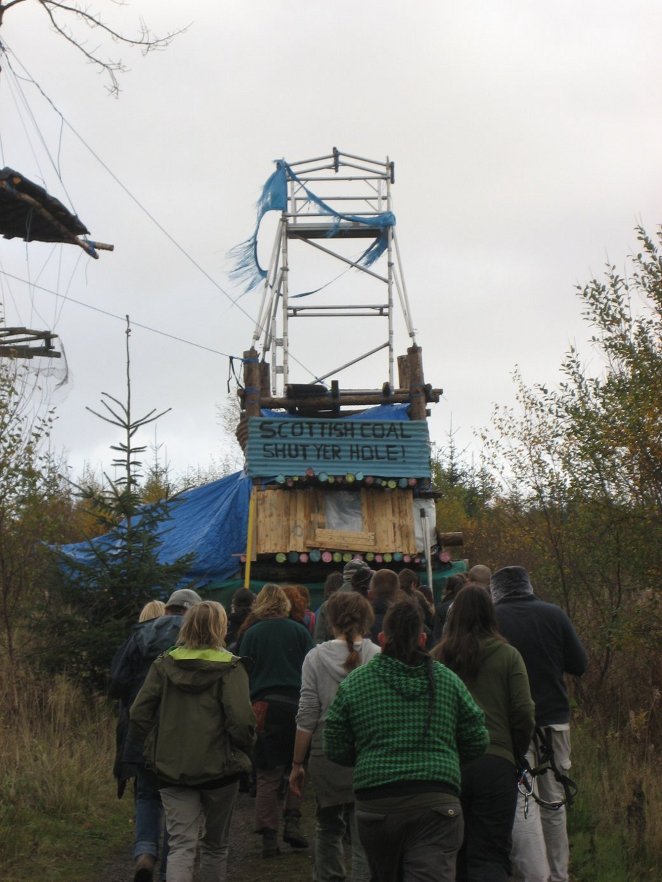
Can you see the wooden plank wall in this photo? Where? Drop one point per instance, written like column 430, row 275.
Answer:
column 288, row 520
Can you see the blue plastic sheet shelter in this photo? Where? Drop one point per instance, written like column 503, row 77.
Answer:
column 210, row 521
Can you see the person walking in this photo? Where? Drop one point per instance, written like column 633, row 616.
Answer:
column 240, row 607
column 383, row 592
column 408, row 580
column 194, row 717
column 322, row 630
column 128, row 670
column 550, row 647
column 406, row 723
column 153, row 609
column 453, row 585
column 481, row 575
column 349, row 615
column 495, row 674
column 276, row 646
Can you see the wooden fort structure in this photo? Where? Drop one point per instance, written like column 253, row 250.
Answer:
column 336, row 472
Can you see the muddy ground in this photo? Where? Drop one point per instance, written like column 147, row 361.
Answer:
column 246, row 863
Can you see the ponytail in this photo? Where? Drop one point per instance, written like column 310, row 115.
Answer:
column 349, row 614
column 403, row 624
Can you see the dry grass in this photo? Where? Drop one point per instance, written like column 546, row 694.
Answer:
column 616, row 823
column 58, row 809
column 60, row 817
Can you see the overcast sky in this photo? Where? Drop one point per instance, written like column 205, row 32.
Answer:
column 527, row 141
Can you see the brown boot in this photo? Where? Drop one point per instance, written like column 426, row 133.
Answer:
column 292, row 832
column 144, row 870
column 269, row 843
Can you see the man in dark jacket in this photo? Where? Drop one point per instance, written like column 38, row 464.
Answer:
column 550, row 647
column 128, row 670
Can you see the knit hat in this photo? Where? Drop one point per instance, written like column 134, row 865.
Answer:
column 184, row 597
column 361, row 579
column 510, row 582
column 352, row 567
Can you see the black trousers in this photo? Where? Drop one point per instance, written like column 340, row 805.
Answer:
column 489, row 797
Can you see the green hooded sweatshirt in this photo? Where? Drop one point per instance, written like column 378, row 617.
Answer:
column 194, row 716
column 386, row 722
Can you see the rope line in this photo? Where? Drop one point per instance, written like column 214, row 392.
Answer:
column 121, row 318
column 64, row 122
column 56, row 165
column 129, row 193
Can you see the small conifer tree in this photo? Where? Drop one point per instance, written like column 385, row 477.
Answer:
column 105, row 588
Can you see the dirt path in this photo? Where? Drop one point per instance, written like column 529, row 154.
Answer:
column 246, row 863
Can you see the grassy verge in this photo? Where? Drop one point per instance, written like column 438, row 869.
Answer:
column 615, row 824
column 59, row 814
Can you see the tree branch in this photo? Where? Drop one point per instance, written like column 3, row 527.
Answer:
column 145, row 40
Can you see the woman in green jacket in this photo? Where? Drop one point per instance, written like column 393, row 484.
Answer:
column 495, row 674
column 195, row 718
column 406, row 723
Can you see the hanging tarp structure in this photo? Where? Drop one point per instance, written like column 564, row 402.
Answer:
column 210, row 521
column 28, row 212
column 246, row 266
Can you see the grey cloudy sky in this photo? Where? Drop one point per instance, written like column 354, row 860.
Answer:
column 527, row 141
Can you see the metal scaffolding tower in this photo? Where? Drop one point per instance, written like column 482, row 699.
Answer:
column 332, row 199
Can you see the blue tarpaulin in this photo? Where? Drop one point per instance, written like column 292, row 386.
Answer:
column 211, row 521
column 247, row 269
column 380, row 412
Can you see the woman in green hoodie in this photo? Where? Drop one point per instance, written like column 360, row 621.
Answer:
column 406, row 723
column 195, row 718
column 495, row 674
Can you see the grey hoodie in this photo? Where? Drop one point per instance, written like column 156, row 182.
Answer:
column 323, row 669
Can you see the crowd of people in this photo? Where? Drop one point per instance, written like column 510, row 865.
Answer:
column 435, row 739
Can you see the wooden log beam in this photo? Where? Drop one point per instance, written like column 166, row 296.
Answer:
column 252, row 383
column 451, row 539
column 417, row 409
column 356, row 398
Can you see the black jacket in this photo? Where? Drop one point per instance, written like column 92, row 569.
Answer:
column 550, row 647
column 128, row 670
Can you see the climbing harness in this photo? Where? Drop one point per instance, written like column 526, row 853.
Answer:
column 546, row 763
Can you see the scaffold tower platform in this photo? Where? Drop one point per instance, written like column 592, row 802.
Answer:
column 323, row 202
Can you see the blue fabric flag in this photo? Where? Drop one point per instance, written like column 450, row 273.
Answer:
column 247, row 269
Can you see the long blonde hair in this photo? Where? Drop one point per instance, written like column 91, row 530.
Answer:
column 152, row 610
column 204, row 627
